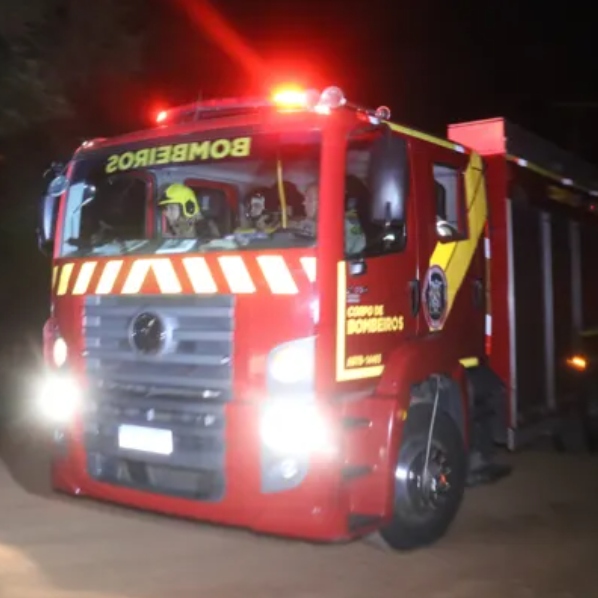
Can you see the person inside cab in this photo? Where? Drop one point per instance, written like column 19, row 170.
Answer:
column 354, row 236
column 184, row 219
column 307, row 225
column 256, row 215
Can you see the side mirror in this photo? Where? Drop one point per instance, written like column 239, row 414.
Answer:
column 48, row 212
column 389, row 179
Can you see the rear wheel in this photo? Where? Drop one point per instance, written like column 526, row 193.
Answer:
column 426, row 502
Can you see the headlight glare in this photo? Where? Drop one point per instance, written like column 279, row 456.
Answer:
column 58, row 398
column 289, row 428
column 293, row 363
column 59, row 352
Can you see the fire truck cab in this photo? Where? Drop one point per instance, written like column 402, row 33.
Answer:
column 273, row 314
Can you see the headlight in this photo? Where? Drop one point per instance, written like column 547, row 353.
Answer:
column 291, row 428
column 293, row 362
column 58, row 398
column 59, row 352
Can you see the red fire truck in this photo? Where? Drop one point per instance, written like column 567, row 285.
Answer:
column 296, row 316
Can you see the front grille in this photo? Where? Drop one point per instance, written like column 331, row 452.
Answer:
column 181, row 388
column 197, row 358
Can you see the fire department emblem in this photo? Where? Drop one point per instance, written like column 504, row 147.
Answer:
column 435, row 298
column 148, row 333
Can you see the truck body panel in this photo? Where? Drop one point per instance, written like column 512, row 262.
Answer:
column 540, row 199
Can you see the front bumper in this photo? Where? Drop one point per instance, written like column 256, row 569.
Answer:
column 317, row 508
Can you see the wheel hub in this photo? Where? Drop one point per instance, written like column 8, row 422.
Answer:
column 428, row 486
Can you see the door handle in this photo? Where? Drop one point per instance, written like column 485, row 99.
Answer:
column 415, row 296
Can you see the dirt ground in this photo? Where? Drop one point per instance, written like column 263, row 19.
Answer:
column 532, row 535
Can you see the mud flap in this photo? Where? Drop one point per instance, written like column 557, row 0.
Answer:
column 487, row 424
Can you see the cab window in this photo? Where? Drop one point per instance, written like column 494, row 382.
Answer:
column 449, row 202
column 364, row 237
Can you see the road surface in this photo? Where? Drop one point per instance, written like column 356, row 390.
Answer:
column 532, row 535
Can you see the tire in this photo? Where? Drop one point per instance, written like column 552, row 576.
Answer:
column 417, row 521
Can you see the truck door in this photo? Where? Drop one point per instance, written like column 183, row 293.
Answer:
column 377, row 279
column 452, row 208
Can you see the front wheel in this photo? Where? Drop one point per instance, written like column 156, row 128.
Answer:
column 426, row 502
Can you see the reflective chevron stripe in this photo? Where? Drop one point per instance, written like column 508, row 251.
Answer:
column 309, row 266
column 278, row 276
column 224, row 274
column 84, row 278
column 236, row 274
column 199, row 274
column 65, row 276
column 108, row 277
column 162, row 269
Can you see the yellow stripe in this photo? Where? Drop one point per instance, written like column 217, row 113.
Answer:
column 277, row 275
column 65, row 276
column 455, row 257
column 547, row 173
column 309, row 267
column 423, row 136
column 84, row 278
column 236, row 274
column 343, row 374
column 341, row 306
column 108, row 277
column 557, row 178
column 199, row 274
column 469, row 362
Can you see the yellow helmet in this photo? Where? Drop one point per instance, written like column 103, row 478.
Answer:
column 180, row 194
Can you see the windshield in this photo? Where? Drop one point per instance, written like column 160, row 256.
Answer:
column 195, row 195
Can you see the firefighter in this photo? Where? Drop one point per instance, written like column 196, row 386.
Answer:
column 183, row 215
column 256, row 216
column 354, row 236
column 307, row 225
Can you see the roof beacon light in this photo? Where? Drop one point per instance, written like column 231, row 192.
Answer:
column 383, row 113
column 290, row 97
column 331, row 98
column 161, row 116
column 295, row 99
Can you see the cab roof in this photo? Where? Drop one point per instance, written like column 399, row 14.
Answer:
column 291, row 107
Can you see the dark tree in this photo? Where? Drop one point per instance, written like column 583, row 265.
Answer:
column 53, row 53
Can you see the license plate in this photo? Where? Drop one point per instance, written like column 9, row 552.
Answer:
column 149, row 440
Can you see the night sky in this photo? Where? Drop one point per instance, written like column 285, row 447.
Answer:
column 432, row 62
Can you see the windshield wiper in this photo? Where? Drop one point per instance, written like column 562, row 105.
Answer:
column 100, row 239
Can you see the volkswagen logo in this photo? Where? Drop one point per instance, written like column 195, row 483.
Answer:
column 148, row 333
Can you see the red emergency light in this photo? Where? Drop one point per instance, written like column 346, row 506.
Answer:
column 283, row 99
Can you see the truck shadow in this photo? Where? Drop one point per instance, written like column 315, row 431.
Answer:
column 24, row 443
column 24, row 451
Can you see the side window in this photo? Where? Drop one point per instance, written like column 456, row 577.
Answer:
column 363, row 237
column 214, row 202
column 449, row 202
column 118, row 202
